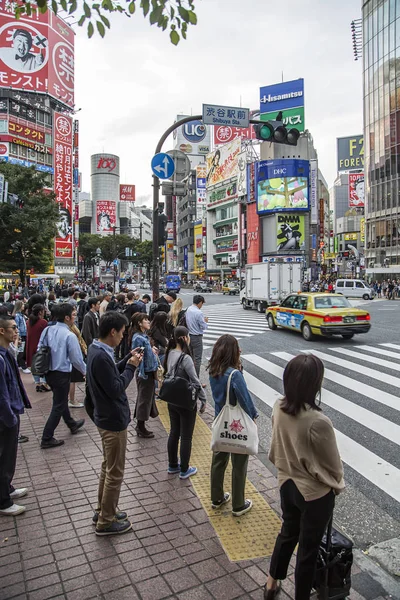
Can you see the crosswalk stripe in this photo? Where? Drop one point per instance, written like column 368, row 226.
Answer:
column 394, row 346
column 233, row 324
column 360, row 369
column 358, row 386
column 371, row 359
column 380, row 351
column 371, row 466
column 232, row 331
column 369, row 419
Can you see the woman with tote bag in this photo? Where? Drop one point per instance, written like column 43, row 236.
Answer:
column 225, row 363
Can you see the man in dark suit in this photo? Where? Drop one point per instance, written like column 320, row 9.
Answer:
column 90, row 327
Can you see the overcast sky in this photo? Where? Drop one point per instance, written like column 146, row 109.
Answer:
column 132, row 84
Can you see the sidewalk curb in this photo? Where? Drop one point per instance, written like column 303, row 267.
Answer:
column 387, row 581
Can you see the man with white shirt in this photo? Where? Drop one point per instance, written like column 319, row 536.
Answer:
column 65, row 352
column 197, row 324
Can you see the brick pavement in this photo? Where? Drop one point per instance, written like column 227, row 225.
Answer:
column 51, row 551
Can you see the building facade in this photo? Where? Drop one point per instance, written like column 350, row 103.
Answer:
column 381, row 69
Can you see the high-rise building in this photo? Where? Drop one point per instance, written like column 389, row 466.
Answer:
column 381, row 56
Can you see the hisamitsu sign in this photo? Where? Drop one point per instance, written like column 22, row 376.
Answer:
column 226, row 115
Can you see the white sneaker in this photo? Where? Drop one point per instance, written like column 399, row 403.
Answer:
column 26, row 371
column 13, row 510
column 76, row 404
column 20, row 493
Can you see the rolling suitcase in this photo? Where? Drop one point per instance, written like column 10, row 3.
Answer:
column 335, row 558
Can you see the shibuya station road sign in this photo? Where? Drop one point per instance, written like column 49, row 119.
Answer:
column 226, row 115
column 162, row 165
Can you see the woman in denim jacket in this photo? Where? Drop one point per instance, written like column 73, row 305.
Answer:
column 145, row 375
column 224, row 359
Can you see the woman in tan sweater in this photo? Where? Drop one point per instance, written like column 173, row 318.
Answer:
column 310, row 473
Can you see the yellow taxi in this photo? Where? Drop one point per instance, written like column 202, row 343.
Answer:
column 230, row 288
column 318, row 314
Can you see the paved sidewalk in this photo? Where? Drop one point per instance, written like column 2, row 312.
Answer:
column 51, row 551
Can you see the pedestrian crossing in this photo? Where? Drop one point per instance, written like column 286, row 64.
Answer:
column 231, row 318
column 365, row 413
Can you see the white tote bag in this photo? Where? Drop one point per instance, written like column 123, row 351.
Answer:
column 234, row 430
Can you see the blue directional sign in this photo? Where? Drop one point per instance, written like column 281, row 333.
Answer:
column 162, row 165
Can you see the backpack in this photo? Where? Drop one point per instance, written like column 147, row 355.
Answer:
column 182, row 320
column 152, row 310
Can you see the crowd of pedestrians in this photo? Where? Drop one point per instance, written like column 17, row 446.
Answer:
column 107, row 342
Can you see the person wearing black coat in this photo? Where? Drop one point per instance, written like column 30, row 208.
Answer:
column 90, row 326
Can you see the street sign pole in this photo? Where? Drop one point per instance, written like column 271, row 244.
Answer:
column 156, row 199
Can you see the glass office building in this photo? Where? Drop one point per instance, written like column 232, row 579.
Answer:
column 381, row 57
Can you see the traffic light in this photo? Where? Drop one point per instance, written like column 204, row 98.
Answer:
column 276, row 132
column 162, row 229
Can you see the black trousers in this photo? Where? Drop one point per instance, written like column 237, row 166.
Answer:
column 303, row 523
column 182, row 426
column 59, row 383
column 8, row 460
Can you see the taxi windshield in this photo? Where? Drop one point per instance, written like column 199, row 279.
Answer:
column 328, row 302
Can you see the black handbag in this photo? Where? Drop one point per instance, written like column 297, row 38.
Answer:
column 178, row 391
column 334, row 561
column 41, row 361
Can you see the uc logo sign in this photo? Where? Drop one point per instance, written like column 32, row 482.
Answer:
column 107, row 163
column 194, row 131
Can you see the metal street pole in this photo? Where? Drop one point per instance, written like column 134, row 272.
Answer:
column 156, row 196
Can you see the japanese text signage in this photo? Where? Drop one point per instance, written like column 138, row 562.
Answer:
column 282, row 96
column 356, row 190
column 127, row 193
column 350, row 153
column 105, row 216
column 223, row 163
column 63, row 184
column 242, row 174
column 226, row 115
column 282, row 185
column 224, row 134
column 27, row 132
column 36, row 53
column 292, row 118
column 201, row 195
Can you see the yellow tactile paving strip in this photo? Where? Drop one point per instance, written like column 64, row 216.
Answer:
column 245, row 538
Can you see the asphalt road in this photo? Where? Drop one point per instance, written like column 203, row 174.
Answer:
column 361, row 395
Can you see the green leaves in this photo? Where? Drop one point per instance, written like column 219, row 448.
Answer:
column 176, row 15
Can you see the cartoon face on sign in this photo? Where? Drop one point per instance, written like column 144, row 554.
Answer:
column 23, row 48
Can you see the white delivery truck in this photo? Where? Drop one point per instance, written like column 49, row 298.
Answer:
column 268, row 283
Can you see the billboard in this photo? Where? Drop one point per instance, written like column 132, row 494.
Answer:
column 282, row 185
column 293, row 118
column 290, row 233
column 201, row 195
column 253, row 235
column 242, row 174
column 127, row 193
column 224, row 134
column 222, row 164
column 63, row 175
column 350, row 153
column 282, row 96
column 192, row 138
column 356, row 190
column 37, row 53
column 105, row 216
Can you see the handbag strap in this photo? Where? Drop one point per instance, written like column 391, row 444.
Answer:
column 228, row 386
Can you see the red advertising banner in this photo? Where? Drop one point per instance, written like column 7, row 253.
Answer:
column 356, row 190
column 253, row 238
column 32, row 145
column 127, row 193
column 224, row 134
column 105, row 215
column 63, row 184
column 36, row 53
column 26, row 131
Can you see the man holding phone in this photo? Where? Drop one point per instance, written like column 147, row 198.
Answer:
column 107, row 382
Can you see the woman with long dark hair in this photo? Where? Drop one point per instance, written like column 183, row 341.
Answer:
column 182, row 420
column 145, row 374
column 158, row 334
column 225, row 358
column 310, row 473
column 35, row 325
